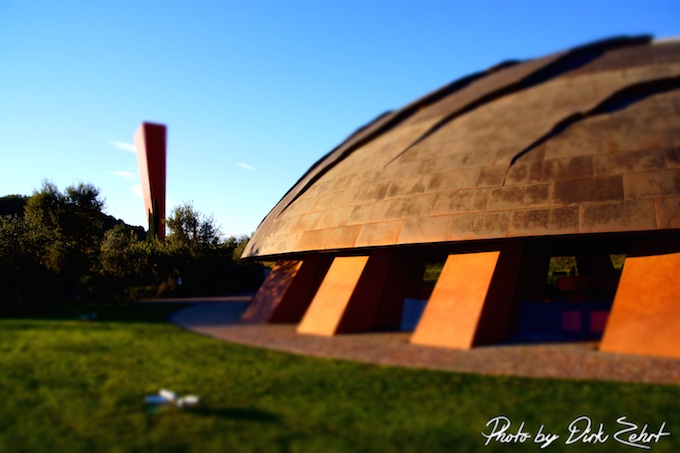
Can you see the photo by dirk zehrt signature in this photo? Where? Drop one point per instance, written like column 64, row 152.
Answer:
column 581, row 430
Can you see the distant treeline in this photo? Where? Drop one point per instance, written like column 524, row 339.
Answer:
column 14, row 205
column 61, row 247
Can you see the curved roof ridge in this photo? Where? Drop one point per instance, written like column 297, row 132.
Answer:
column 565, row 62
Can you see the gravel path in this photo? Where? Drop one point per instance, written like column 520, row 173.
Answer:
column 218, row 318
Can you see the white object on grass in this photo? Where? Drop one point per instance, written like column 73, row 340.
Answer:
column 189, row 400
column 168, row 395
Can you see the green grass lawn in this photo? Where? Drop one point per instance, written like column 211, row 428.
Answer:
column 70, row 385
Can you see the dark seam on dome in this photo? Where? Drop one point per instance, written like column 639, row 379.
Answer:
column 571, row 60
column 619, row 100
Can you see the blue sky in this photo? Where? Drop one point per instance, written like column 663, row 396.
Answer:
column 253, row 93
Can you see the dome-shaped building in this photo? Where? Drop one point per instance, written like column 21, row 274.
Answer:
column 573, row 157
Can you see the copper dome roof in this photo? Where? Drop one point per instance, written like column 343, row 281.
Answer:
column 582, row 141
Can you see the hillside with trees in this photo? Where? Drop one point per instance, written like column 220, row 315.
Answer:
column 60, row 245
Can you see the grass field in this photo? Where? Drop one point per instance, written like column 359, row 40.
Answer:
column 71, row 385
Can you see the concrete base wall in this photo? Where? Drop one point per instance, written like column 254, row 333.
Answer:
column 477, row 297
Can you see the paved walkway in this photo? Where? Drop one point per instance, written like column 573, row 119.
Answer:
column 218, row 318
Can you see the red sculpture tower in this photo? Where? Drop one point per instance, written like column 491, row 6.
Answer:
column 150, row 142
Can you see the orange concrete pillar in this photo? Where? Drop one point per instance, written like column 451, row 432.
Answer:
column 302, row 289
column 362, row 308
column 644, row 318
column 361, row 294
column 271, row 292
column 288, row 290
column 472, row 302
column 328, row 306
column 378, row 299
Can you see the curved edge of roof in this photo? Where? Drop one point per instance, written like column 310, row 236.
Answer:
column 406, row 111
column 391, row 119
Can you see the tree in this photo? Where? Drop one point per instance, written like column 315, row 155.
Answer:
column 194, row 252
column 72, row 223
column 59, row 249
column 117, row 252
column 237, row 246
column 247, row 274
column 126, row 261
column 13, row 205
column 21, row 247
column 190, row 230
column 77, row 213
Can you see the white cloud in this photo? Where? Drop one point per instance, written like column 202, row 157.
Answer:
column 131, row 176
column 246, row 166
column 126, row 175
column 137, row 190
column 124, row 146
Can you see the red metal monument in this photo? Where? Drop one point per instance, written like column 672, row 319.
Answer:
column 150, row 142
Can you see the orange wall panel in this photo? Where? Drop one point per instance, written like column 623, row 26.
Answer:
column 645, row 317
column 453, row 312
column 331, row 300
column 271, row 292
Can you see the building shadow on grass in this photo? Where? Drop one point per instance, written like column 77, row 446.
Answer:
column 234, row 413
column 94, row 313
column 225, row 308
